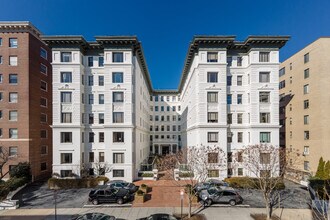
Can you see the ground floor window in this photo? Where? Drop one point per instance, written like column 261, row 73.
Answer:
column 239, row 171
column 43, row 166
column 66, row 173
column 118, row 173
column 213, row 173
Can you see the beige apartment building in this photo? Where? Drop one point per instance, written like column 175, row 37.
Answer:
column 305, row 106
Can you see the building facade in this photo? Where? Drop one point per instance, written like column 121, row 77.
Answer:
column 106, row 111
column 25, row 98
column 304, row 80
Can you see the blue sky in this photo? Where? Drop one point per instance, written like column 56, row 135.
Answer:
column 165, row 28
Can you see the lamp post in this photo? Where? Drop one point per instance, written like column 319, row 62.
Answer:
column 55, row 197
column 181, row 198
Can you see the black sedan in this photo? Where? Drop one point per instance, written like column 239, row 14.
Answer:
column 119, row 196
column 159, row 216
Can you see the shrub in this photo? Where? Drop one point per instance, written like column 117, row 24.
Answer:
column 249, row 183
column 139, row 193
column 143, row 185
column 21, row 170
column 74, row 183
column 14, row 183
column 186, row 174
column 102, row 178
column 146, row 174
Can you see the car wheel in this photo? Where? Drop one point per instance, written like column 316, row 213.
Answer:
column 120, row 201
column 95, row 202
column 208, row 202
column 232, row 202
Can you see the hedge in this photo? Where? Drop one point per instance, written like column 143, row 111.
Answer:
column 11, row 185
column 249, row 183
column 146, row 174
column 76, row 183
column 186, row 174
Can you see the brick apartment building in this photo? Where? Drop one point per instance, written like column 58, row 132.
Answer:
column 25, row 98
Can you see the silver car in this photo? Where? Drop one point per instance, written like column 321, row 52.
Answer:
column 214, row 195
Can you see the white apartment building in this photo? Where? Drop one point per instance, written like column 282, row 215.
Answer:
column 106, row 112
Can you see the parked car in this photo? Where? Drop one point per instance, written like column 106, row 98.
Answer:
column 159, row 216
column 211, row 183
column 118, row 184
column 109, row 195
column 212, row 195
column 94, row 216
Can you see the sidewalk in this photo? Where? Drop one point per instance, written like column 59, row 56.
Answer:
column 211, row 213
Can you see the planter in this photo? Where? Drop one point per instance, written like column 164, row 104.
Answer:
column 145, row 189
column 139, row 198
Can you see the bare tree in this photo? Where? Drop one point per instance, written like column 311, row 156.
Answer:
column 5, row 158
column 320, row 199
column 195, row 164
column 267, row 165
column 99, row 168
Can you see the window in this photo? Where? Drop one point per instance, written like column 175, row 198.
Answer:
column 0, row 118
column 101, row 99
column 12, row 151
column 44, row 150
column 13, row 97
column 66, row 173
column 264, row 77
column 212, row 137
column 66, row 77
column 91, row 99
column 66, row 57
column 282, row 72
column 66, row 137
column 66, row 158
column 229, row 118
column 306, row 58
column 306, row 104
column 101, row 80
column 91, row 118
column 43, row 133
column 43, row 53
column 1, row 78
column 13, row 60
column 264, row 97
column 0, row 59
column 306, row 165
column 239, row 61
column 212, row 117
column 229, row 61
column 239, row 171
column 162, row 108
column 43, row 166
column 264, row 158
column 213, row 158
column 306, row 150
column 239, row 99
column 1, row 96
column 229, row 78
column 264, row 137
column 0, row 132
column 13, row 79
column 239, row 137
column 66, row 97
column 282, row 84
column 91, row 137
column 212, row 57
column 101, row 61
column 118, row 96
column 118, row 137
column 212, row 77
column 90, row 80
column 306, row 89
column 13, row 115
column 213, row 173
column 264, row 117
column 117, row 77
column 240, row 156
column 117, row 57
column 66, row 117
column 306, row 73
column 101, row 118
column 239, row 80
column 212, row 97
column 90, row 61
column 13, row 42
column 43, row 102
column 43, row 68
column 239, row 118
column 0, row 41
column 118, row 173
column 43, row 85
column 229, row 99
column 306, row 119
column 13, row 133
column 101, row 137
column 306, row 135
column 118, row 158
column 264, row 57
column 101, row 157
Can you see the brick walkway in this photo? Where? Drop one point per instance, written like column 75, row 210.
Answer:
column 165, row 193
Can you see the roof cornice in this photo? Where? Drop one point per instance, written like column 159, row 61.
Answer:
column 19, row 26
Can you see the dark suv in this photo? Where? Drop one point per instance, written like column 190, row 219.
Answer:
column 108, row 195
column 220, row 196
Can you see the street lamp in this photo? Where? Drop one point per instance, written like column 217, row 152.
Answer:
column 181, row 197
column 55, row 197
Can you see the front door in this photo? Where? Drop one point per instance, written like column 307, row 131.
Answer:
column 165, row 150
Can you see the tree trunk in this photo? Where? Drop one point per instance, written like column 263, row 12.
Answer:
column 189, row 208
column 268, row 208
